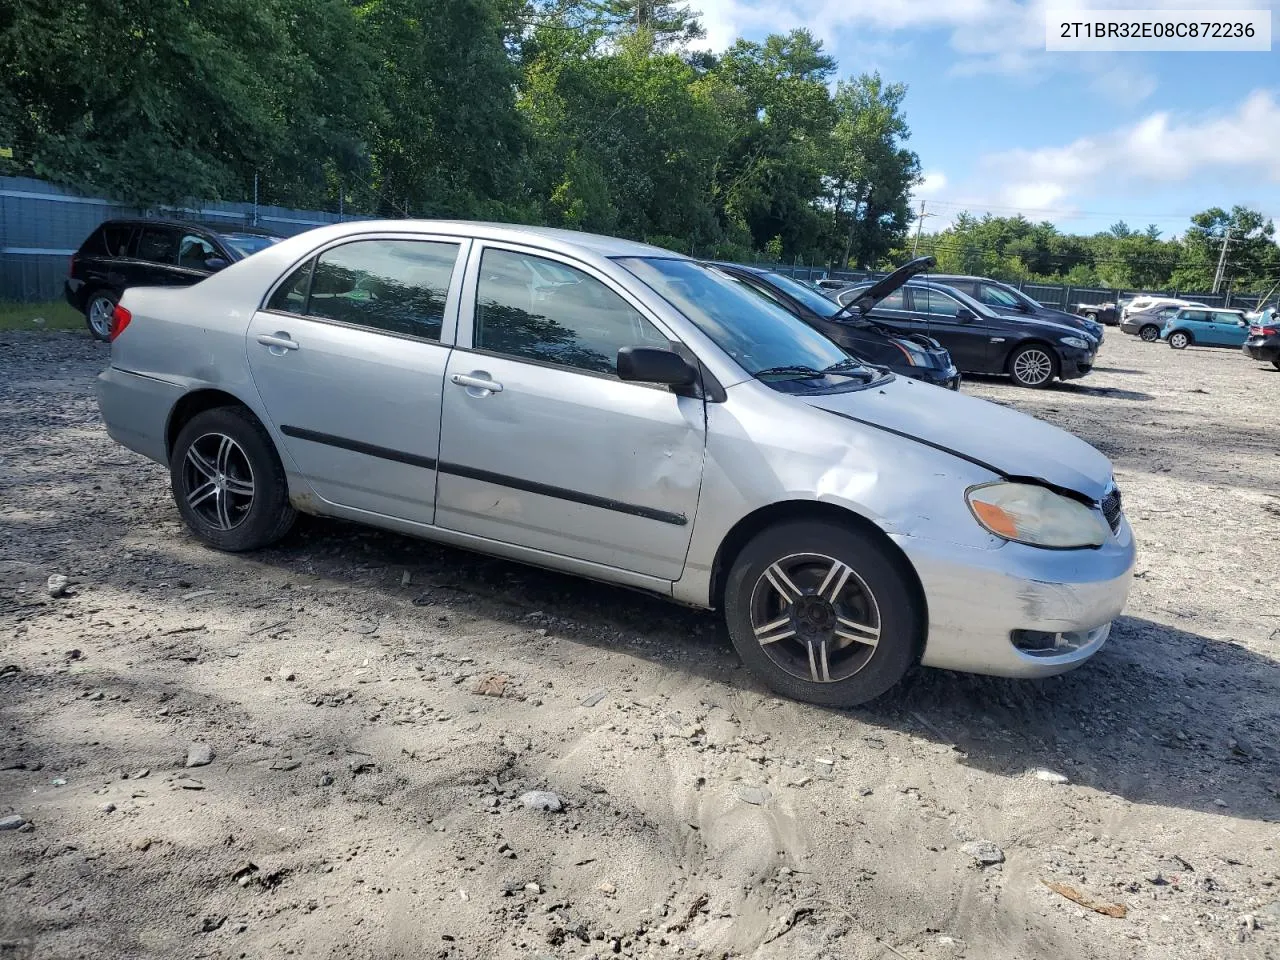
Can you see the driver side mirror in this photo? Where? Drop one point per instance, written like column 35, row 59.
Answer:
column 215, row 264
column 964, row 315
column 655, row 365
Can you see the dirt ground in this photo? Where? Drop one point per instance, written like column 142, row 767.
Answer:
column 363, row 800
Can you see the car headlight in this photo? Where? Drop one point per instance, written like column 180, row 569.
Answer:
column 1077, row 342
column 1034, row 515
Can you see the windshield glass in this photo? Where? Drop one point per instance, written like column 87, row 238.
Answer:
column 807, row 295
column 247, row 243
column 763, row 338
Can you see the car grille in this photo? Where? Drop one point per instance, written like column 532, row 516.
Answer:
column 1112, row 509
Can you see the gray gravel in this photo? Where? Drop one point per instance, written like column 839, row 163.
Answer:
column 358, row 798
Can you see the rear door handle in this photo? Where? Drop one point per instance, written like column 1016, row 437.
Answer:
column 476, row 383
column 279, row 341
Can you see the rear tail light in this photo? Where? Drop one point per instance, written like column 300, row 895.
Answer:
column 71, row 266
column 120, row 318
column 1264, row 331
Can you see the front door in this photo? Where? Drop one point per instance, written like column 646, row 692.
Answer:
column 968, row 341
column 541, row 445
column 1227, row 331
column 349, row 357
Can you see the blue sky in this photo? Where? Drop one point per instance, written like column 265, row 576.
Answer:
column 1083, row 140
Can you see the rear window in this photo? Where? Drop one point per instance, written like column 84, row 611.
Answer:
column 109, row 240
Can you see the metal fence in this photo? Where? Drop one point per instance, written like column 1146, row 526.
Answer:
column 42, row 225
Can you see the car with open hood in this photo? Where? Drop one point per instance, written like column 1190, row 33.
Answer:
column 1031, row 351
column 912, row 355
column 642, row 420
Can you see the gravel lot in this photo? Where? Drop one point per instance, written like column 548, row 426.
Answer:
column 363, row 799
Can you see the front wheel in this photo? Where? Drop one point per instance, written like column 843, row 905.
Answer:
column 1179, row 340
column 97, row 314
column 228, row 482
column 1150, row 333
column 1033, row 366
column 822, row 613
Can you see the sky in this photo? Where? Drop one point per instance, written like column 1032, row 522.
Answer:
column 1080, row 139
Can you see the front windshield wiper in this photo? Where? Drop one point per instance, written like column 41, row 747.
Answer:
column 848, row 363
column 793, row 371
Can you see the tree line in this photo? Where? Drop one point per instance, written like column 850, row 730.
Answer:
column 590, row 114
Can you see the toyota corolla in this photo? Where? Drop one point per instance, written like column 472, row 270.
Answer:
column 633, row 416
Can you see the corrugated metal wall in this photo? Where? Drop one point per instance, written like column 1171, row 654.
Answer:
column 42, row 225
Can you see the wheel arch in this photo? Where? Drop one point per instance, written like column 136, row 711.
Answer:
column 742, row 532
column 1033, row 340
column 1191, row 337
column 196, row 402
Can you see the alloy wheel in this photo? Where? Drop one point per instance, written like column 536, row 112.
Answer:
column 1033, row 367
column 1178, row 341
column 1149, row 334
column 217, row 481
column 815, row 618
column 100, row 310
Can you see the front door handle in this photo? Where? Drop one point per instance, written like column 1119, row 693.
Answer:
column 277, row 341
column 476, row 381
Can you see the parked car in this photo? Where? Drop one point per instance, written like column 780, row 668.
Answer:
column 1034, row 352
column 1147, row 316
column 1012, row 302
column 1263, row 342
column 1107, row 313
column 912, row 355
column 121, row 254
column 652, row 424
column 1206, row 328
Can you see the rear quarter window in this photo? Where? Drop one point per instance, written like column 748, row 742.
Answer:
column 109, row 240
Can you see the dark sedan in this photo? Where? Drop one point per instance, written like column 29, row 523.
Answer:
column 153, row 253
column 911, row 354
column 1012, row 302
column 1264, row 339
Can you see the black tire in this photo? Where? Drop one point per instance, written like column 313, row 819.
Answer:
column 1179, row 340
column 809, row 552
column 1150, row 333
column 1276, row 363
column 221, row 513
column 99, row 323
column 1034, row 365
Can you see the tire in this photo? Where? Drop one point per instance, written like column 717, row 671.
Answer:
column 249, row 509
column 873, row 597
column 1179, row 340
column 1150, row 333
column 1033, row 366
column 1276, row 363
column 97, row 313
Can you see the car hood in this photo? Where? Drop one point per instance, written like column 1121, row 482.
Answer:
column 1002, row 440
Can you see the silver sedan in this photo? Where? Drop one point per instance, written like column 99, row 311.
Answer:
column 627, row 414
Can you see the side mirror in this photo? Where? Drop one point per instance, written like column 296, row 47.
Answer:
column 964, row 315
column 656, row 365
column 215, row 264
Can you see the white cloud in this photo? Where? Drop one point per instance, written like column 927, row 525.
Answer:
column 933, row 183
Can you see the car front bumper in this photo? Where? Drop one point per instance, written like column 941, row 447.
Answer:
column 1266, row 349
column 948, row 377
column 1056, row 604
column 136, row 410
column 1076, row 363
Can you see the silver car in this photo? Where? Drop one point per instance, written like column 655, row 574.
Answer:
column 627, row 414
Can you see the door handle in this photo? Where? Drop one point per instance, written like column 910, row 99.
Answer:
column 279, row 341
column 476, row 382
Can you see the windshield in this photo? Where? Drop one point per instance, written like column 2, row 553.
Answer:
column 247, row 243
column 763, row 338
column 808, row 296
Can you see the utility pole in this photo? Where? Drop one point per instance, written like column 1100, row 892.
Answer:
column 1222, row 261
column 915, row 249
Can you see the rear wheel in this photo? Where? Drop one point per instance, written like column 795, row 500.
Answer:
column 97, row 313
column 228, row 482
column 1276, row 363
column 1033, row 366
column 1150, row 333
column 821, row 613
column 1179, row 340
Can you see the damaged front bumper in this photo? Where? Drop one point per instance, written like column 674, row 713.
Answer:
column 1020, row 611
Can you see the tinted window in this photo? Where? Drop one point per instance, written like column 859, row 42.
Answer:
column 935, row 302
column 996, row 296
column 195, row 251
column 109, row 240
column 894, row 301
column 157, row 245
column 291, row 296
column 397, row 286
column 1225, row 317
column 807, row 295
column 247, row 243
column 535, row 309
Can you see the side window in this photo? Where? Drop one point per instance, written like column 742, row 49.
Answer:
column 291, row 296
column 535, row 309
column 996, row 297
column 194, row 252
column 397, row 286
column 935, row 302
column 157, row 245
column 117, row 237
column 1226, row 317
column 894, row 301
column 1196, row 316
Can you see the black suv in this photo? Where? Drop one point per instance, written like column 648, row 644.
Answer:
column 1031, row 350
column 912, row 355
column 152, row 253
column 1012, row 302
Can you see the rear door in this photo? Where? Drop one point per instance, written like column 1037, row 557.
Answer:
column 155, row 257
column 968, row 341
column 105, row 257
column 348, row 355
